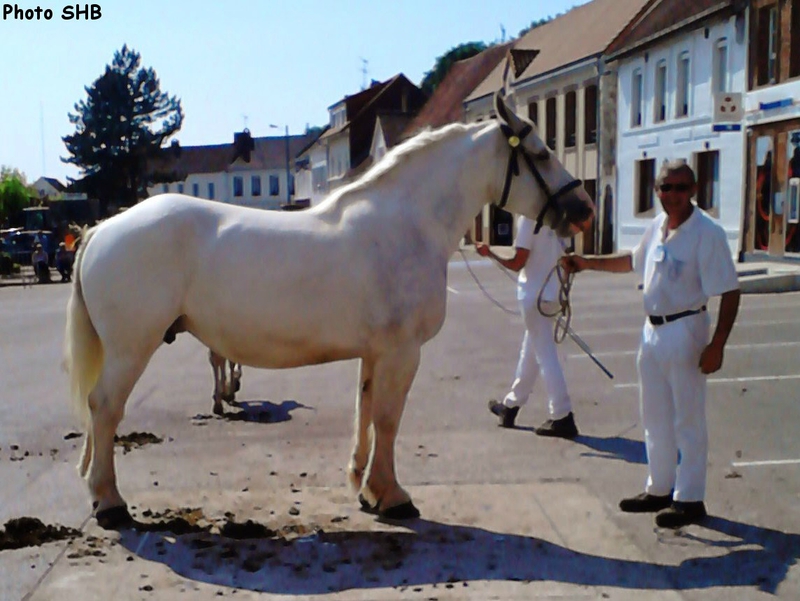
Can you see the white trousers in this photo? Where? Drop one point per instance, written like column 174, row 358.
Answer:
column 539, row 354
column 672, row 401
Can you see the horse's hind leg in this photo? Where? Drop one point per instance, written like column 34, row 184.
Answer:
column 362, row 442
column 394, row 373
column 218, row 367
column 107, row 407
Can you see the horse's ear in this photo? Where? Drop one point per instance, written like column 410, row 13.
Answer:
column 506, row 115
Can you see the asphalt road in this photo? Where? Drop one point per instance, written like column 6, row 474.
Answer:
column 515, row 515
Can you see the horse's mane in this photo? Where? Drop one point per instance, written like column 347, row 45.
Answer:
column 397, row 156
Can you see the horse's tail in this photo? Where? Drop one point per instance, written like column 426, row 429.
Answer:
column 83, row 350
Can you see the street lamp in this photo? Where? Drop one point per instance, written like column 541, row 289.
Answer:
column 288, row 174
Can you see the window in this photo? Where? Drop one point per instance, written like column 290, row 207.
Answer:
column 590, row 114
column 683, row 85
column 794, row 46
column 165, row 188
column 570, row 118
column 660, row 101
column 550, row 125
column 645, row 176
column 180, row 188
column 195, row 190
column 238, row 185
column 767, row 45
column 720, row 83
column 319, row 176
column 211, row 190
column 274, row 185
column 637, row 97
column 255, row 185
column 533, row 111
column 708, row 180
column 291, row 185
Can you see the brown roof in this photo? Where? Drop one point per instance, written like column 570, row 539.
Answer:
column 583, row 32
column 393, row 126
column 663, row 17
column 446, row 104
column 266, row 153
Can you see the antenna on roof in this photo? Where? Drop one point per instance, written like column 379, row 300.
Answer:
column 244, row 118
column 364, row 72
column 502, row 34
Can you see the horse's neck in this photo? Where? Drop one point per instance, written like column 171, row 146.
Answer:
column 440, row 187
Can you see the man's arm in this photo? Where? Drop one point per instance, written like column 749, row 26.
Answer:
column 711, row 357
column 515, row 263
column 613, row 264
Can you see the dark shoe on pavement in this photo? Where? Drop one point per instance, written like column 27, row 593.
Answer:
column 645, row 503
column 681, row 513
column 507, row 415
column 559, row 428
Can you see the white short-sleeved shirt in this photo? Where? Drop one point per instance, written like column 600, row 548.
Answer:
column 681, row 271
column 546, row 248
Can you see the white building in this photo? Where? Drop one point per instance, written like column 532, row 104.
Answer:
column 672, row 64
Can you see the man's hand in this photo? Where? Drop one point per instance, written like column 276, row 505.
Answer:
column 482, row 249
column 574, row 263
column 711, row 358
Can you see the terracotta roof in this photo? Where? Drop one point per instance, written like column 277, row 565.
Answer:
column 446, row 104
column 663, row 17
column 266, row 153
column 583, row 32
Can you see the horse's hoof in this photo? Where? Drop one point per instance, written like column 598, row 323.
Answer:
column 365, row 506
column 218, row 410
column 229, row 398
column 404, row 511
column 114, row 518
column 237, row 386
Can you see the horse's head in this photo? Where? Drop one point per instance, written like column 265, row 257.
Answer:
column 540, row 187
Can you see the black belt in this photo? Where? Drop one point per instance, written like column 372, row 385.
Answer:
column 658, row 320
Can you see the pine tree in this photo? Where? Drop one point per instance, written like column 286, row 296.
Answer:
column 123, row 122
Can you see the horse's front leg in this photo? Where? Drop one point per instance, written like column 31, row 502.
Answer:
column 362, row 441
column 394, row 373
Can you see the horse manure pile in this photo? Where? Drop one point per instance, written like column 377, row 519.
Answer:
column 31, row 532
column 135, row 440
column 181, row 521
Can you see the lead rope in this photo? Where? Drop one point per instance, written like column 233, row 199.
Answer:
column 563, row 316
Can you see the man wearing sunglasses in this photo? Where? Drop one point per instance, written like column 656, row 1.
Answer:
column 683, row 258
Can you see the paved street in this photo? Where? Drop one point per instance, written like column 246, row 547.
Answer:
column 505, row 514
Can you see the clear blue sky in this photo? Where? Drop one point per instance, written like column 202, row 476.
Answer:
column 275, row 62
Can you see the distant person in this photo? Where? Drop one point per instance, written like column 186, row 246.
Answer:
column 683, row 259
column 64, row 262
column 39, row 260
column 534, row 258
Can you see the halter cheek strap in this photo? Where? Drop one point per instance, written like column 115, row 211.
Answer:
column 515, row 142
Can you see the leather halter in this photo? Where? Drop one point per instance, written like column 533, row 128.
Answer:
column 515, row 142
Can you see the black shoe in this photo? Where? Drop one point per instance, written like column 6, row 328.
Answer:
column 507, row 415
column 559, row 428
column 681, row 513
column 645, row 503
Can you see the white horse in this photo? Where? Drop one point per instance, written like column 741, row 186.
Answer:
column 225, row 388
column 362, row 275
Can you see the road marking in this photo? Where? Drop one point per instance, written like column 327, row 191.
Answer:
column 761, row 463
column 727, row 380
column 730, row 347
column 453, row 290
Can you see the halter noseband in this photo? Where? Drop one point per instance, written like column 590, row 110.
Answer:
column 515, row 142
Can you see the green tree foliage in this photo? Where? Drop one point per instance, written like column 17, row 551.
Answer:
column 123, row 123
column 15, row 194
column 435, row 76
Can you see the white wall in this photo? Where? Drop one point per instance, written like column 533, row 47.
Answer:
column 677, row 138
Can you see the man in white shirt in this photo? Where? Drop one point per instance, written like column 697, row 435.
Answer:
column 683, row 258
column 535, row 256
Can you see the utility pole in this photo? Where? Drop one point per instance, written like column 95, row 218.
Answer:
column 288, row 174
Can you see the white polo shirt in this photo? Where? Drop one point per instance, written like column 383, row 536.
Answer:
column 546, row 248
column 680, row 271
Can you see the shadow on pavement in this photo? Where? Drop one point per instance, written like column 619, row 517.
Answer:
column 624, row 449
column 263, row 412
column 451, row 556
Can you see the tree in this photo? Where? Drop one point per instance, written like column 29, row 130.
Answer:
column 435, row 76
column 118, row 130
column 15, row 194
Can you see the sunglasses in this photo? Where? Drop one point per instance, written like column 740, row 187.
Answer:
column 676, row 187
